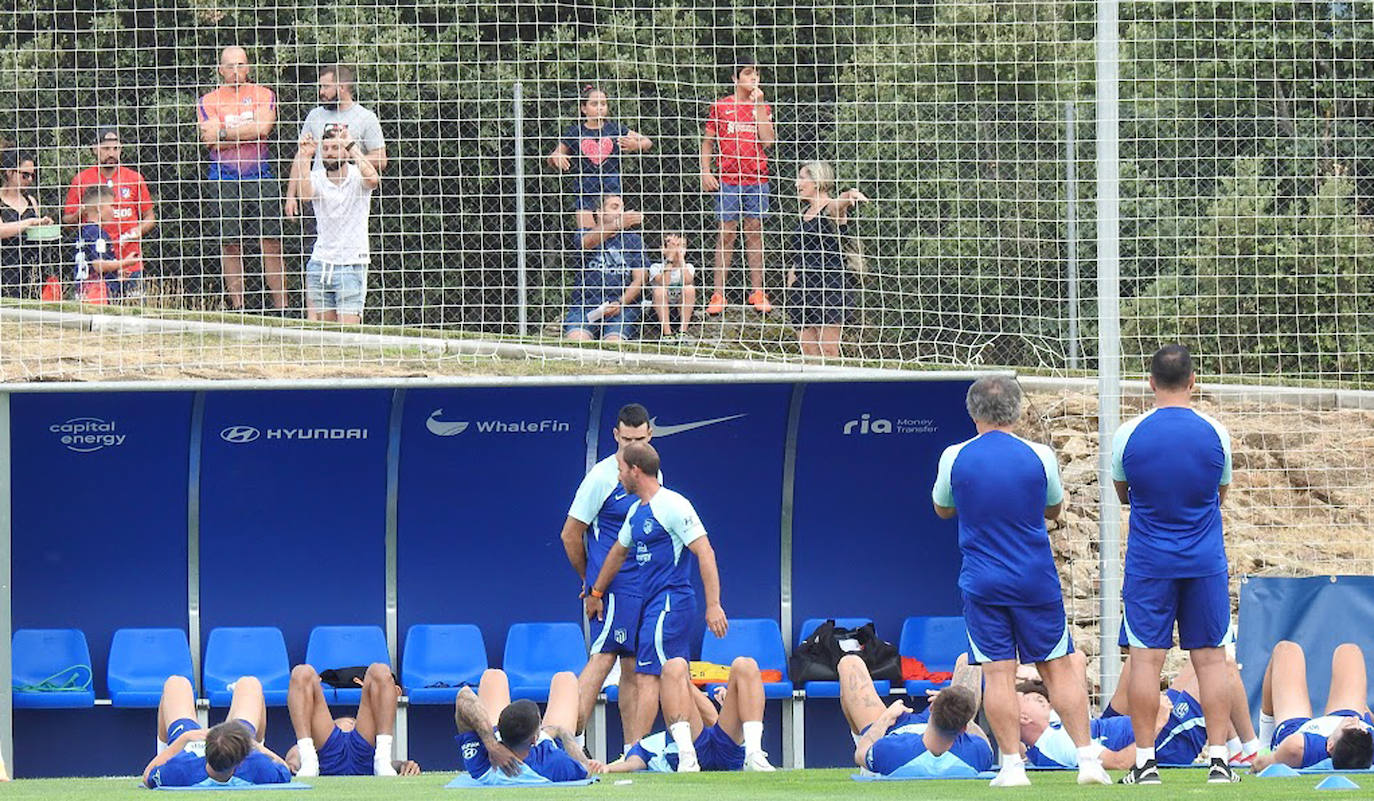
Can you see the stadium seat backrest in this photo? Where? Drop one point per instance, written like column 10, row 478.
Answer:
column 757, row 637
column 452, row 654
column 346, row 646
column 536, row 651
column 39, row 654
column 810, row 625
column 260, row 651
column 936, row 641
column 142, row 659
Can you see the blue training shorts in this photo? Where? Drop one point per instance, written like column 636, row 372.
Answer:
column 619, row 632
column 716, row 750
column 621, row 325
column 1028, row 633
column 1185, row 732
column 180, row 726
column 346, row 753
column 734, row 201
column 1202, row 607
column 665, row 630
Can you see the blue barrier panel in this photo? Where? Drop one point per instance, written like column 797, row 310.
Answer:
column 293, row 510
column 487, row 475
column 722, row 447
column 1318, row 613
column 99, row 513
column 865, row 540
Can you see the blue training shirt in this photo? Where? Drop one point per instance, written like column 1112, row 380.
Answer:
column 608, row 268
column 1001, row 485
column 1055, row 749
column 1174, row 459
column 187, row 769
column 902, row 752
column 657, row 532
column 546, row 762
column 602, row 503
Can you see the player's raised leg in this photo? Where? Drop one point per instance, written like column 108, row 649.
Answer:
column 741, row 713
column 858, row 700
column 250, row 705
column 680, row 712
column 310, row 717
column 376, row 722
column 178, row 704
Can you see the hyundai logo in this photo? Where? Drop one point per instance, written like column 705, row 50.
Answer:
column 239, row 434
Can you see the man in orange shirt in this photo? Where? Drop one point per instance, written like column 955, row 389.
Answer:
column 235, row 123
column 133, row 204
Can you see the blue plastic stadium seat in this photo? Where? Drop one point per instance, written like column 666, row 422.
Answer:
column 55, row 656
column 451, row 655
column 345, row 646
column 937, row 642
column 258, row 651
column 831, row 689
column 759, row 638
column 536, row 651
column 141, row 660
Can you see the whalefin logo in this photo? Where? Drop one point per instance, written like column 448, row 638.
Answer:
column 668, row 431
column 444, row 428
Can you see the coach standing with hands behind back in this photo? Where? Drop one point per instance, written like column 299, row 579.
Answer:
column 1173, row 465
column 1003, row 487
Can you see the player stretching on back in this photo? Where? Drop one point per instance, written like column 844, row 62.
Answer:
column 1173, row 465
column 660, row 527
column 1299, row 740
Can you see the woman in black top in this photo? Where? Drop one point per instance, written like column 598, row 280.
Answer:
column 821, row 290
column 18, row 211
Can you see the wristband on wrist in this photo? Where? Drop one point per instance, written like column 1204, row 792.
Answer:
column 597, row 593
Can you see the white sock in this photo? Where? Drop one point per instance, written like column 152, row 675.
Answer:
column 1011, row 760
column 1143, row 755
column 857, row 737
column 1090, row 753
column 753, row 736
column 161, row 746
column 1233, row 745
column 1218, row 752
column 310, row 761
column 1250, row 747
column 682, row 735
column 582, row 739
column 1267, row 726
column 383, row 750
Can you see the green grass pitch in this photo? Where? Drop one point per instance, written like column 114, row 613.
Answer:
column 806, row 785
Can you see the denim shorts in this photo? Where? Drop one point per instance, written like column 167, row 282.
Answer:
column 338, row 288
column 734, row 201
column 621, row 325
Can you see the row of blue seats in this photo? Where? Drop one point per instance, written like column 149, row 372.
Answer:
column 438, row 659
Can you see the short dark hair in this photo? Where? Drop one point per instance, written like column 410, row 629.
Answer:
column 95, row 194
column 341, row 73
column 585, row 93
column 13, row 157
column 518, row 723
column 1171, row 367
column 226, row 745
column 953, row 708
column 633, row 415
column 1037, row 687
column 1353, row 750
column 643, row 456
column 743, row 61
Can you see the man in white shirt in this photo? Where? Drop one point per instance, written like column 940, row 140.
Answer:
column 341, row 192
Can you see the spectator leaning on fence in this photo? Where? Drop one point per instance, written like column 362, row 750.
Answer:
column 821, row 287
column 19, row 211
column 235, row 123
column 341, row 192
column 604, row 302
column 132, row 205
column 337, row 108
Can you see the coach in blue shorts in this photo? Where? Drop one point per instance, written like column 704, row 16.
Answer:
column 1003, row 487
column 594, row 521
column 661, row 528
column 1172, row 465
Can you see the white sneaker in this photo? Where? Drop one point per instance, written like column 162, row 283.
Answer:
column 1093, row 773
column 383, row 769
column 1011, row 776
column 308, row 771
column 758, row 761
column 688, row 764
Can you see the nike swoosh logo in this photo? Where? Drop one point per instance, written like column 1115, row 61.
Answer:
column 622, row 496
column 644, row 664
column 668, row 431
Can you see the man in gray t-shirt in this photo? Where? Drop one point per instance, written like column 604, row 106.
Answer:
column 338, row 109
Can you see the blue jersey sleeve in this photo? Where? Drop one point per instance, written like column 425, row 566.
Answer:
column 182, row 770
column 1054, row 488
column 596, row 486
column 680, row 519
column 553, row 763
column 1225, row 437
column 260, row 768
column 1119, row 440
column 475, row 759
column 894, row 751
column 974, row 751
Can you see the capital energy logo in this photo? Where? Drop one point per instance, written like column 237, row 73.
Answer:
column 866, row 424
column 88, row 434
column 242, row 435
column 452, row 428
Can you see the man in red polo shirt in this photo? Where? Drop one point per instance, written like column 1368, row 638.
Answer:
column 743, row 125
column 133, row 204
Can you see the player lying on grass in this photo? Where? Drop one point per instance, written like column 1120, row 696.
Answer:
column 530, row 749
column 1340, row 739
column 231, row 753
column 357, row 746
column 893, row 741
column 729, row 740
column 1180, row 734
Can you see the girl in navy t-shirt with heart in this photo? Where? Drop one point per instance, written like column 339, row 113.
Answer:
column 590, row 151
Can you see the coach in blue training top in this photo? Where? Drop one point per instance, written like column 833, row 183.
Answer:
column 1173, row 465
column 1003, row 487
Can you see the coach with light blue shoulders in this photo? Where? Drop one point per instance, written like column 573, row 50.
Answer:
column 1003, row 488
column 1173, row 466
